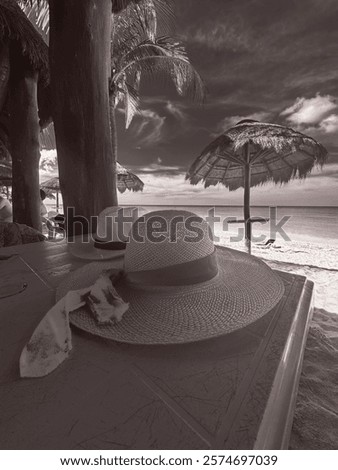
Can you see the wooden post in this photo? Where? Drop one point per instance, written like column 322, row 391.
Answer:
column 113, row 134
column 80, row 36
column 247, row 183
column 4, row 74
column 25, row 150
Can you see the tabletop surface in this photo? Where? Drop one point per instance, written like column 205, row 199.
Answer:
column 233, row 392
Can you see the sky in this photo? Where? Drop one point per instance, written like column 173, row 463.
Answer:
column 271, row 60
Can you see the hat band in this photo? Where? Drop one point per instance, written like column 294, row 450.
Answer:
column 184, row 274
column 109, row 245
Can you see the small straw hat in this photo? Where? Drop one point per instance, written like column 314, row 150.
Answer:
column 179, row 286
column 109, row 241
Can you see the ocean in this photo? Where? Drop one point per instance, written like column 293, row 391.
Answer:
column 309, row 235
column 303, row 224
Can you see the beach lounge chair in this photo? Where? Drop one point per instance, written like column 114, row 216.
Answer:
column 269, row 242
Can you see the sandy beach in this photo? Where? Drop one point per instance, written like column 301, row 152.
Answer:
column 316, row 418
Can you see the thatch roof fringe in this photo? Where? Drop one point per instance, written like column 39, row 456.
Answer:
column 125, row 180
column 15, row 26
column 271, row 136
column 278, row 154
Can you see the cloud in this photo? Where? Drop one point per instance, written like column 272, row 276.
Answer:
column 230, row 121
column 310, row 111
column 156, row 168
column 148, row 127
column 222, row 35
column 176, row 111
column 328, row 173
column 329, row 125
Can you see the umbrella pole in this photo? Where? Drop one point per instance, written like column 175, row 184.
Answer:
column 247, row 182
column 57, row 201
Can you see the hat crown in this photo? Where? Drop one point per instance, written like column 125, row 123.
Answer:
column 166, row 238
column 108, row 226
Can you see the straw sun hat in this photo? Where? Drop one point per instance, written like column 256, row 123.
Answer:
column 108, row 242
column 180, row 288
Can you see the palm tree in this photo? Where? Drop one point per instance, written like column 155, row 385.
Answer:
column 135, row 56
column 80, row 49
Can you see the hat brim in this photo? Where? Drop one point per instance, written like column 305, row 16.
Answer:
column 244, row 290
column 89, row 252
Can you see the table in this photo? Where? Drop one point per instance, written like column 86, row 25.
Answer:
column 234, row 392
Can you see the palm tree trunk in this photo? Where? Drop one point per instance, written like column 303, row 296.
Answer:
column 24, row 140
column 113, row 133
column 4, row 74
column 80, row 34
column 247, row 183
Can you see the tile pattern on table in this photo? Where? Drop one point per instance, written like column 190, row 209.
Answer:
column 242, row 434
column 202, row 378
column 90, row 399
column 151, row 426
column 19, row 315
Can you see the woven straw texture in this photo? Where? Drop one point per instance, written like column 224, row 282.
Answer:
column 244, row 290
column 174, row 249
column 277, row 154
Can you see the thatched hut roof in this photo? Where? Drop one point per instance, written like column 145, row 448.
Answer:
column 16, row 30
column 52, row 184
column 15, row 27
column 276, row 153
column 117, row 5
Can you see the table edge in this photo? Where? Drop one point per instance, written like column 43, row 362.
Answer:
column 285, row 385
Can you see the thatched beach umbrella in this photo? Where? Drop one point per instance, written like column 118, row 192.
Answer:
column 125, row 180
column 52, row 184
column 24, row 96
column 252, row 153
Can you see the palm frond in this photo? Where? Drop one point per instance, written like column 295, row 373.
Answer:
column 37, row 11
column 47, row 138
column 164, row 55
column 131, row 103
column 138, row 22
